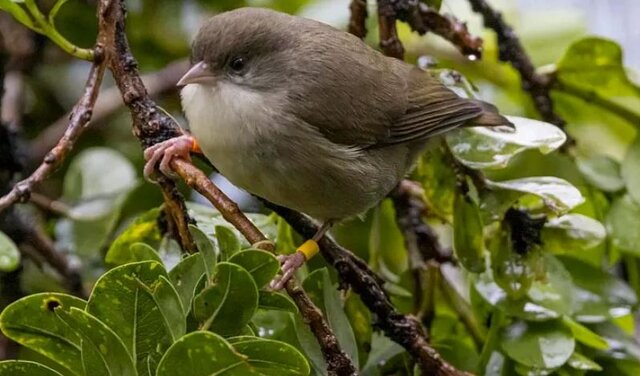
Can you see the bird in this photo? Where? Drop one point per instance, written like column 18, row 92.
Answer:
column 308, row 116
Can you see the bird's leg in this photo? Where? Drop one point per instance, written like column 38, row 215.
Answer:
column 291, row 263
column 164, row 152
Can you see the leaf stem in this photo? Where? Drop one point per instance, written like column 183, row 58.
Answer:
column 47, row 28
column 497, row 319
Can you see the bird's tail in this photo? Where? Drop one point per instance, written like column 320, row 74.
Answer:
column 490, row 117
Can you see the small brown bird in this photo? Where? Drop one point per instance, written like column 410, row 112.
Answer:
column 308, row 117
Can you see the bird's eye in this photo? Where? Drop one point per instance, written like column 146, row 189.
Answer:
column 237, row 64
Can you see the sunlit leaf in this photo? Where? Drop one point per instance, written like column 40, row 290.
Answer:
column 581, row 362
column 9, row 254
column 630, row 170
column 484, row 147
column 557, row 194
column 585, row 335
column 144, row 229
column 572, row 233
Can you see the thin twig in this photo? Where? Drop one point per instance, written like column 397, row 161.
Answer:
column 404, row 330
column 389, row 41
column 422, row 19
column 512, row 51
column 358, row 20
column 80, row 116
column 152, row 125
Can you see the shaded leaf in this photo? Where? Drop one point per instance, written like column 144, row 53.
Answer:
column 207, row 249
column 572, row 233
column 31, row 322
column 262, row 265
column 203, row 353
column 276, row 301
column 25, row 368
column 185, row 277
column 269, row 357
column 227, row 241
column 546, row 344
column 630, row 170
column 227, row 305
column 623, row 224
column 601, row 171
column 468, row 241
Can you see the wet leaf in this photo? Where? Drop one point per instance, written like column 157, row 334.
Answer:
column 142, row 307
column 485, row 147
column 269, row 357
column 262, row 265
column 558, row 194
column 546, row 344
column 585, row 335
column 185, row 277
column 227, row 305
column 601, row 171
column 630, row 170
column 25, row 368
column 512, row 271
column 203, row 353
column 9, row 254
column 581, row 362
column 572, row 233
column 31, row 322
column 468, row 241
column 623, row 225
column 276, row 301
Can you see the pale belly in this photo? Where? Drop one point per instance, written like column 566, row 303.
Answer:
column 290, row 165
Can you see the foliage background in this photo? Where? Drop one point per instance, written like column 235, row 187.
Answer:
column 565, row 306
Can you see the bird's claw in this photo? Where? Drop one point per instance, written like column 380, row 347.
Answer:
column 164, row 152
column 290, row 264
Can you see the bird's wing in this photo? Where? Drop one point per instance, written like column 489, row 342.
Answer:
column 433, row 109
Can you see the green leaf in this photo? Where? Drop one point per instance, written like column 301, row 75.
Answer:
column 581, row 362
column 554, row 290
column 203, row 354
column 598, row 295
column 572, row 233
column 276, row 301
column 468, row 241
column 585, row 336
column 485, row 147
column 227, row 305
column 206, row 248
column 630, row 170
column 512, row 271
column 269, row 357
column 9, row 254
column 558, row 194
column 144, row 229
column 592, row 69
column 262, row 265
column 25, row 368
column 361, row 322
column 185, row 277
column 325, row 295
column 227, row 241
column 108, row 352
column 386, row 243
column 622, row 223
column 31, row 322
column 601, row 171
column 546, row 344
column 139, row 303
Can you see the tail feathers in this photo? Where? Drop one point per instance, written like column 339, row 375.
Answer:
column 490, row 117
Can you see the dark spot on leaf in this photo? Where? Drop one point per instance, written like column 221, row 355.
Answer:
column 525, row 229
column 52, row 304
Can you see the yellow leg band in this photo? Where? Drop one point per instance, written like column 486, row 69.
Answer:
column 309, row 249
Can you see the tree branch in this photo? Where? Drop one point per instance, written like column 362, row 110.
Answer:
column 358, row 19
column 151, row 125
column 404, row 330
column 512, row 51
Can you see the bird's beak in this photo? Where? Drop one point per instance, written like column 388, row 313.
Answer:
column 198, row 74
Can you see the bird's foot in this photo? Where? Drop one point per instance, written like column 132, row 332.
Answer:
column 164, row 152
column 291, row 263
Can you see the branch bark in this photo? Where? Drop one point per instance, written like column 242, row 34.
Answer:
column 151, row 125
